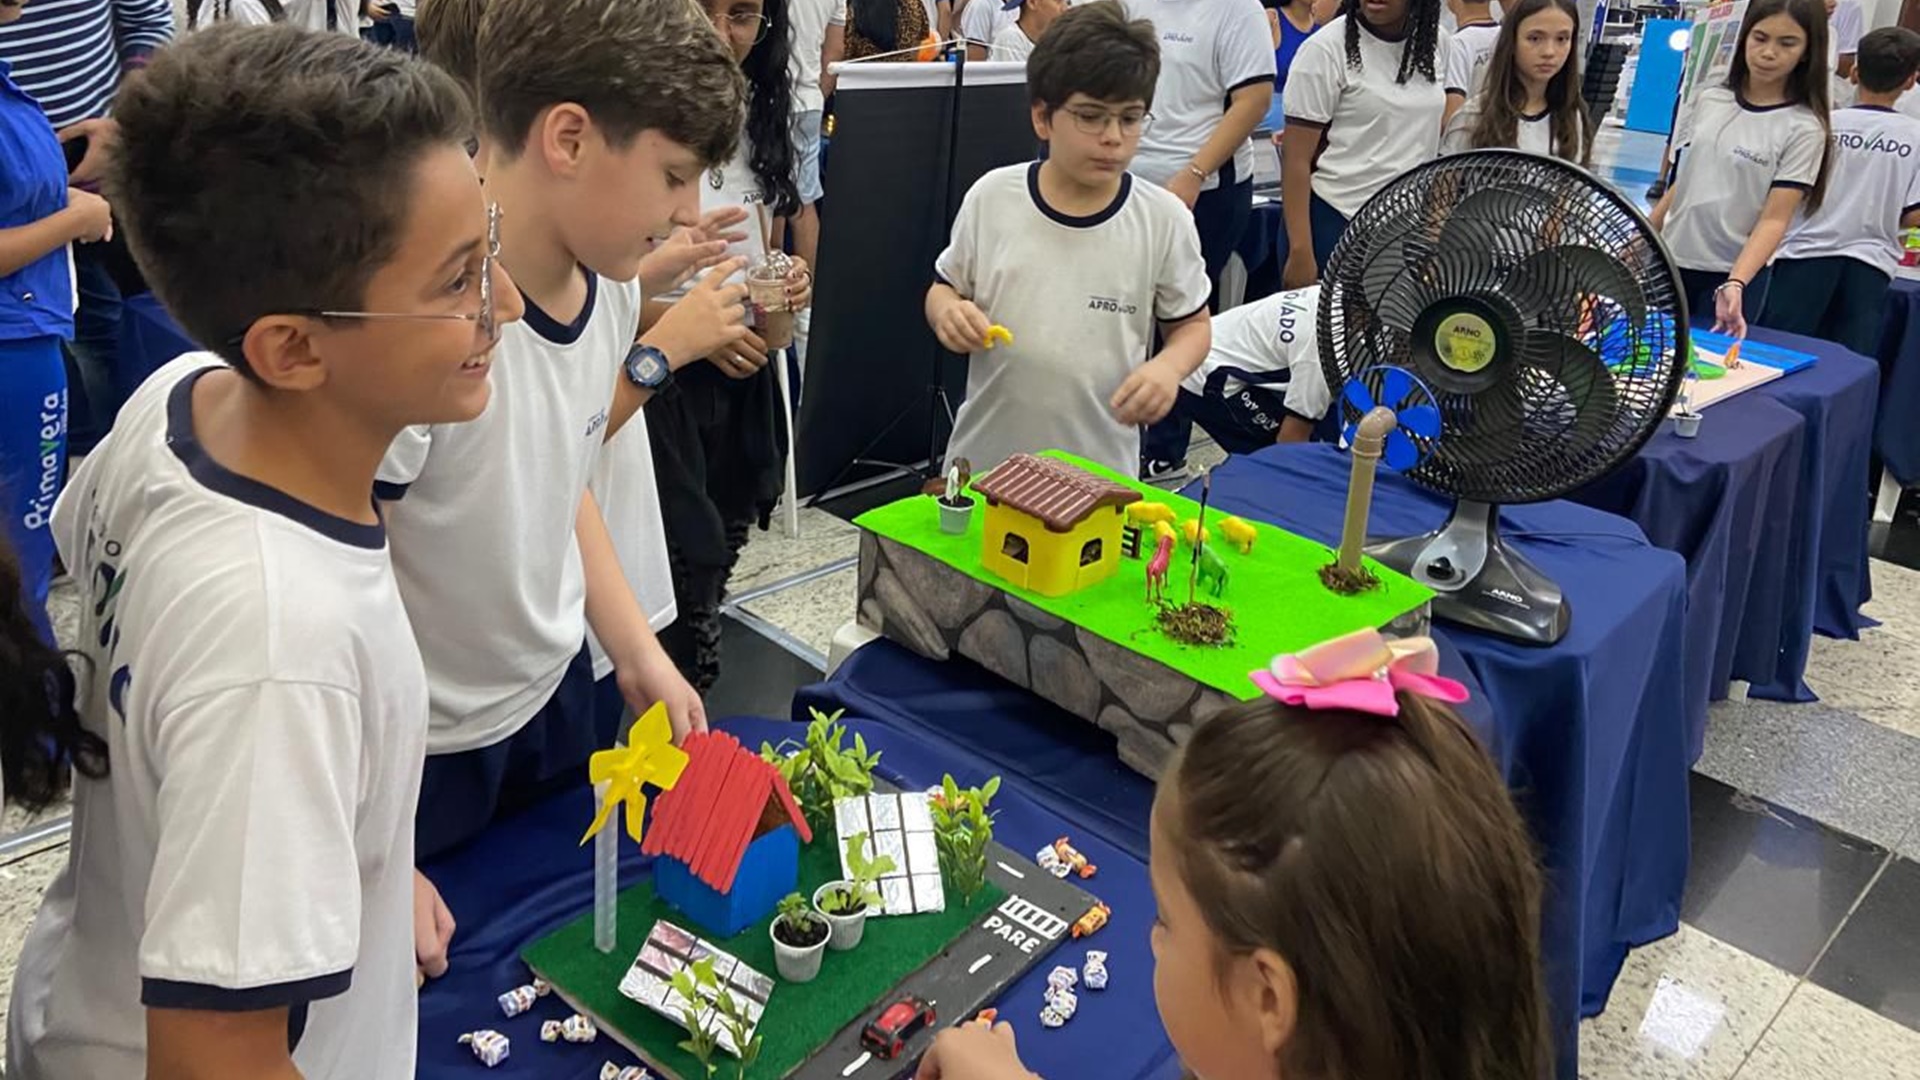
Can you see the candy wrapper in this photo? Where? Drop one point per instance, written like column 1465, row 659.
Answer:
column 1063, row 978
column 1052, row 1017
column 574, row 1029
column 1066, row 1001
column 1049, row 860
column 610, row 1071
column 490, row 1047
column 521, row 998
column 1096, row 970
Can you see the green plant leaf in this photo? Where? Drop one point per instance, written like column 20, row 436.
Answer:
column 991, row 789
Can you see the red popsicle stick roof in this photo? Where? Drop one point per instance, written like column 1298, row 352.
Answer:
column 713, row 813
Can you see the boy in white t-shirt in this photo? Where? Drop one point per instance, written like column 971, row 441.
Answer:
column 502, row 552
column 238, row 898
column 1473, row 39
column 1077, row 260
column 981, row 22
column 1016, row 40
column 1262, row 382
column 1834, row 268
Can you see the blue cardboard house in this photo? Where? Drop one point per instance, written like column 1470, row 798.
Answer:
column 726, row 840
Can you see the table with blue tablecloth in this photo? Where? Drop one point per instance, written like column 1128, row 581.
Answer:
column 1591, row 733
column 1897, row 425
column 528, row 875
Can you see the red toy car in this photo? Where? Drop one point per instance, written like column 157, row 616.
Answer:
column 887, row 1034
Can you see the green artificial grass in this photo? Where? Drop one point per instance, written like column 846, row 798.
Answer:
column 1275, row 595
column 799, row 1019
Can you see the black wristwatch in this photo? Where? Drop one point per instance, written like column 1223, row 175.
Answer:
column 647, row 368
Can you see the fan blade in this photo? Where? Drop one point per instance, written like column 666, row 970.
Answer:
column 1495, row 219
column 1358, row 397
column 1590, row 386
column 1395, row 385
column 1421, row 420
column 1596, row 273
column 1347, row 433
column 1401, row 453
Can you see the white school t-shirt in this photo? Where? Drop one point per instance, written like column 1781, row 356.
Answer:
column 312, row 14
column 482, row 522
column 1467, row 59
column 1373, row 127
column 1738, row 155
column 733, row 184
column 255, row 678
column 1534, row 134
column 1875, row 181
column 807, row 22
column 1844, row 27
column 1208, row 49
column 983, row 19
column 623, row 484
column 1080, row 296
column 1273, row 336
column 1011, row 43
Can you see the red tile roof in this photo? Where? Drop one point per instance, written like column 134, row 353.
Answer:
column 1059, row 494
column 709, row 817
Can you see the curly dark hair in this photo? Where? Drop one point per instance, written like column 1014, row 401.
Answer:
column 769, row 106
column 1421, row 40
column 40, row 732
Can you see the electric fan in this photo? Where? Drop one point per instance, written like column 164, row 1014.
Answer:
column 1527, row 326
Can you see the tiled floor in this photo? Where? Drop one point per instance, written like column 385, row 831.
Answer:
column 1799, row 958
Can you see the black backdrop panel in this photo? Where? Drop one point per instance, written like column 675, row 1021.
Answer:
column 871, row 357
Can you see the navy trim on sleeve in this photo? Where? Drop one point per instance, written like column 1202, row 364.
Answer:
column 1456, row 90
column 1317, row 125
column 167, row 994
column 1188, row 315
column 1793, row 184
column 388, row 491
column 941, row 279
column 1254, row 81
column 296, row 1026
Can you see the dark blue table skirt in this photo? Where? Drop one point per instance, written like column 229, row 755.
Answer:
column 1897, row 426
column 528, row 875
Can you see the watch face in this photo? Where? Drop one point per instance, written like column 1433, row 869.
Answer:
column 647, row 367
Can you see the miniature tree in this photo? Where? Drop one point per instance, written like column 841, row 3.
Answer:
column 822, row 770
column 963, row 830
column 700, row 1041
column 859, row 892
column 741, row 1027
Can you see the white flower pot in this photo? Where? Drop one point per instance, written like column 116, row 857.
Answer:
column 954, row 519
column 847, row 929
column 1686, row 424
column 798, row 964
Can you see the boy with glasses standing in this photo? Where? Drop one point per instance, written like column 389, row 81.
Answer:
column 1078, row 260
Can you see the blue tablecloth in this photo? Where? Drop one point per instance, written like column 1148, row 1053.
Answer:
column 1896, row 430
column 528, row 875
column 1720, row 501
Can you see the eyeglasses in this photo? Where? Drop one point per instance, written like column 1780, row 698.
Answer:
column 741, row 25
column 484, row 318
column 1095, row 121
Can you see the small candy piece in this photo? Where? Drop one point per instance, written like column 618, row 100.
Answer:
column 998, row 335
column 1096, row 970
column 518, row 1000
column 1071, row 858
column 1063, row 978
column 578, row 1029
column 1049, row 860
column 490, row 1047
column 610, row 1071
column 550, row 1031
column 1052, row 1017
column 541, row 987
column 1064, row 1000
column 1095, row 918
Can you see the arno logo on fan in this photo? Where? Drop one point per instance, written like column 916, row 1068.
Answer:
column 1464, row 343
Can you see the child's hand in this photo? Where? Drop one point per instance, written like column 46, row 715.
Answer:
column 92, row 217
column 1729, row 314
column 674, row 261
column 1148, row 394
column 962, row 327
column 800, row 285
column 1301, row 269
column 973, row 1052
column 432, row 928
column 654, row 679
column 712, row 316
column 742, row 358
column 103, row 140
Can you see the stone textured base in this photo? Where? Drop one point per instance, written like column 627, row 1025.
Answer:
column 938, row 611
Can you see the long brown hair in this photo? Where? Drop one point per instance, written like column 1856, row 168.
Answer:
column 1383, row 859
column 1806, row 84
column 1503, row 99
column 40, row 732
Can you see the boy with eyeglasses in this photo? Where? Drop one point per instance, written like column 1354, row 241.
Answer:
column 238, row 898
column 1077, row 260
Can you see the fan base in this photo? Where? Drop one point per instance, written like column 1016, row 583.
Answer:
column 1477, row 580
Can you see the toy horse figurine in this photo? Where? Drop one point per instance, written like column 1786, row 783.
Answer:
column 1213, row 572
column 1157, row 569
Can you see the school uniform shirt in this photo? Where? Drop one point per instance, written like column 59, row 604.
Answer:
column 733, row 184
column 482, row 521
column 1534, row 134
column 1270, row 344
column 623, row 484
column 1738, row 154
column 1080, row 295
column 1208, row 50
column 807, row 22
column 338, row 16
column 37, row 299
column 1874, row 182
column 983, row 20
column 1467, row 60
column 1011, row 43
column 68, row 54
column 243, row 12
column 1373, row 127
column 255, row 678
column 1844, row 28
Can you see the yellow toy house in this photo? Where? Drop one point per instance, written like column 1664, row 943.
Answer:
column 1051, row 527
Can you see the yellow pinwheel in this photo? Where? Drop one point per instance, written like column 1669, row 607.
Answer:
column 648, row 758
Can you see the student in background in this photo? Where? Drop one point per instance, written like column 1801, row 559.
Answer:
column 1844, row 25
column 237, row 899
column 1261, row 382
column 1531, row 97
column 1473, row 39
column 1292, row 22
column 719, row 431
column 205, row 13
column 1364, row 104
column 1079, row 260
column 40, row 219
column 881, row 27
column 809, row 22
column 391, row 24
column 1295, row 937
column 1016, row 40
column 981, row 22
column 1837, row 264
column 42, row 742
column 1758, row 153
column 332, row 16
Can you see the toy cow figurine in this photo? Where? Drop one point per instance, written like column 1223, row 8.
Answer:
column 1213, row 572
column 1144, row 513
column 1157, row 569
column 1238, row 533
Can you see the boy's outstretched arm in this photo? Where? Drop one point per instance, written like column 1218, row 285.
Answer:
column 1149, row 393
column 192, row 1044
column 974, row 1052
column 645, row 672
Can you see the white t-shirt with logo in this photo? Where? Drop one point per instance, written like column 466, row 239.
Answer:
column 807, row 22
column 482, row 525
column 1737, row 156
column 1534, row 134
column 1080, row 296
column 732, row 184
column 1844, row 28
column 1271, row 344
column 1874, row 182
column 983, row 20
column 1373, row 127
column 1208, row 49
column 1011, row 43
column 255, row 678
column 1467, row 60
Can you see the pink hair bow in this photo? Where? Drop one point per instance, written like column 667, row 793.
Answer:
column 1359, row 671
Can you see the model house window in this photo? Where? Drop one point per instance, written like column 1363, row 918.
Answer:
column 1090, row 553
column 1014, row 547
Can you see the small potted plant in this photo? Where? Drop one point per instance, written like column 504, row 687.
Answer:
column 799, row 939
column 962, row 832
column 846, row 904
column 956, row 506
